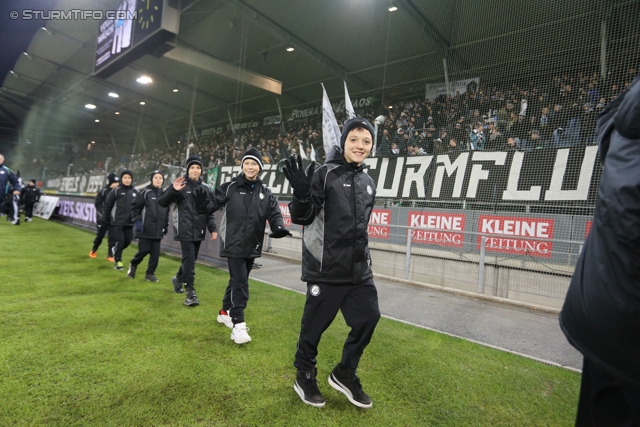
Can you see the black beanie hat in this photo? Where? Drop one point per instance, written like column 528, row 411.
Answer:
column 32, row 180
column 253, row 154
column 351, row 124
column 194, row 160
column 126, row 172
column 156, row 172
column 112, row 177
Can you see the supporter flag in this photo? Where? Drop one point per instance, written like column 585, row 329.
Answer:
column 347, row 103
column 302, row 152
column 313, row 153
column 330, row 129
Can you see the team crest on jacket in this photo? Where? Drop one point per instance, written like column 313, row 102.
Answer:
column 315, row 290
column 369, row 190
column 261, row 196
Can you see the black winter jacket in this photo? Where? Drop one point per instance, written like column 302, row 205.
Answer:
column 246, row 207
column 30, row 194
column 117, row 207
column 98, row 202
column 601, row 313
column 155, row 218
column 188, row 225
column 335, row 244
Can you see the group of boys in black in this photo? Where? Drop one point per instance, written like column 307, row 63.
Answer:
column 332, row 203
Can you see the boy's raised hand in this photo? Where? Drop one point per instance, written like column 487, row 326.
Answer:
column 299, row 179
column 200, row 199
column 179, row 183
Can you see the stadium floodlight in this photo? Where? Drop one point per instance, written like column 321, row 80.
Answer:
column 290, row 49
column 393, row 7
column 144, row 80
column 142, row 103
column 97, row 120
column 90, row 106
column 114, row 95
column 175, row 89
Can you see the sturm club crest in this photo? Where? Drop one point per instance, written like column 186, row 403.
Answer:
column 369, row 190
column 315, row 290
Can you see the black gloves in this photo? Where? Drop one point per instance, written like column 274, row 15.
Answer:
column 165, row 231
column 278, row 232
column 138, row 226
column 300, row 181
column 200, row 198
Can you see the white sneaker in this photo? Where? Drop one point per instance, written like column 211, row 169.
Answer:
column 239, row 333
column 225, row 319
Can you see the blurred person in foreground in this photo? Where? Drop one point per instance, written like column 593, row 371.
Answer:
column 334, row 204
column 601, row 313
column 9, row 185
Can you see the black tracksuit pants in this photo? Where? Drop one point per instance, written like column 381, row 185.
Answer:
column 102, row 231
column 149, row 247
column 359, row 306
column 236, row 295
column 28, row 209
column 123, row 237
column 605, row 400
column 187, row 271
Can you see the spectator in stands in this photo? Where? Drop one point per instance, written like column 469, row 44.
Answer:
column 189, row 227
column 535, row 142
column 398, row 139
column 587, row 125
column 454, row 149
column 496, row 139
column 511, row 144
column 395, row 151
column 29, row 196
column 117, row 208
column 104, row 223
column 439, row 147
column 383, row 148
column 335, row 235
column 151, row 224
column 8, row 180
column 477, row 138
column 600, row 312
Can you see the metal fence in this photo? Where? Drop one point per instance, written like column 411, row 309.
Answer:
column 471, row 261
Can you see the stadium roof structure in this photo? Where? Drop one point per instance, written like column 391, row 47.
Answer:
column 223, row 42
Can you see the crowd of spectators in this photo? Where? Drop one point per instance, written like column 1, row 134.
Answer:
column 557, row 112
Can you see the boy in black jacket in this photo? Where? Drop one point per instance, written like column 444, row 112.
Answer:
column 334, row 205
column 189, row 227
column 150, row 224
column 29, row 196
column 246, row 205
column 118, row 209
column 101, row 198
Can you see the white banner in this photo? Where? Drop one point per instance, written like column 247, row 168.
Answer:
column 433, row 90
column 347, row 103
column 45, row 207
column 330, row 129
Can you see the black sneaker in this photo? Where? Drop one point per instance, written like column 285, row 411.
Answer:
column 131, row 272
column 151, row 278
column 347, row 382
column 192, row 299
column 177, row 285
column 307, row 388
